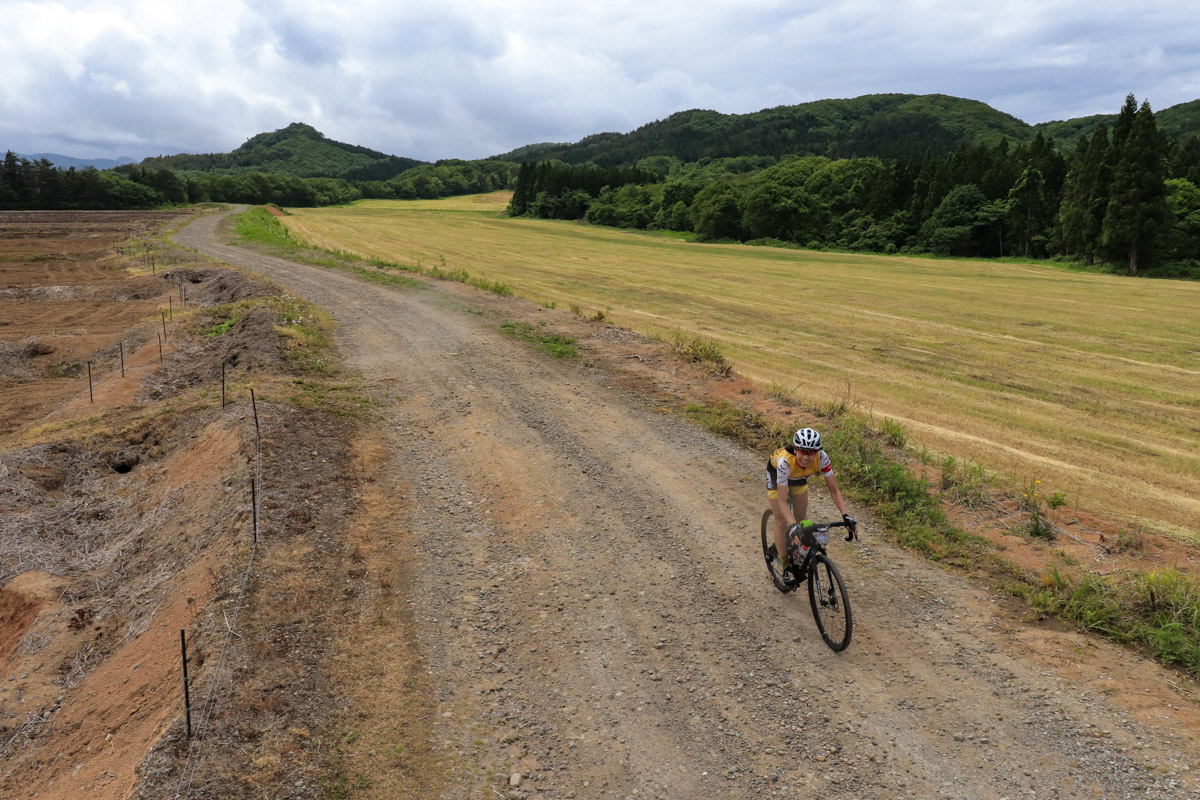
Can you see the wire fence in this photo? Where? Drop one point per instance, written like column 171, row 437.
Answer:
column 220, row 674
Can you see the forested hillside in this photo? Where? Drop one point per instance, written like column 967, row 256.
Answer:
column 886, row 125
column 293, row 166
column 1127, row 197
column 890, row 126
column 298, row 150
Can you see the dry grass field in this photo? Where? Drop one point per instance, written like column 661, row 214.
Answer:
column 1088, row 383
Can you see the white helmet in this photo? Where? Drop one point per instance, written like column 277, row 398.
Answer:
column 807, row 439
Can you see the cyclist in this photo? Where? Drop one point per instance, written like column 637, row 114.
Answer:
column 791, row 466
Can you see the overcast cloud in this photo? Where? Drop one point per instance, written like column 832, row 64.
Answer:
column 459, row 79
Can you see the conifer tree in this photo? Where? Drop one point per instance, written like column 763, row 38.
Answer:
column 1136, row 212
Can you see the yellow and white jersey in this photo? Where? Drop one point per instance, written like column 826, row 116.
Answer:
column 783, row 469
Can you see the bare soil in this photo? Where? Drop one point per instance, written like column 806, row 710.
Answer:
column 520, row 576
column 66, row 298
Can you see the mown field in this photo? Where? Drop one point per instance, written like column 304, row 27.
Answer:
column 1088, row 383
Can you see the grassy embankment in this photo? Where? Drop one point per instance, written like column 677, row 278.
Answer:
column 1085, row 382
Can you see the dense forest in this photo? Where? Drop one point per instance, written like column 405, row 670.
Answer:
column 1126, row 195
column 26, row 184
column 293, row 166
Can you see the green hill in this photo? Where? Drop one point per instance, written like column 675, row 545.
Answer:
column 902, row 126
column 895, row 125
column 1180, row 122
column 887, row 125
column 298, row 150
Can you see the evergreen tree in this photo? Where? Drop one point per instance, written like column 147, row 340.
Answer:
column 1124, row 122
column 1136, row 210
column 1027, row 210
column 1073, row 208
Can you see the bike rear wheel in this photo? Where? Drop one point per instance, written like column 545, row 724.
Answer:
column 830, row 603
column 774, row 565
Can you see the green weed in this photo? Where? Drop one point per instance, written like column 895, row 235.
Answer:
column 700, row 351
column 222, row 327
column 894, row 433
column 554, row 344
column 726, row 419
column 1033, row 501
column 965, row 483
column 782, row 393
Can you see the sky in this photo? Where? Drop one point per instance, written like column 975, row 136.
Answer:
column 470, row 79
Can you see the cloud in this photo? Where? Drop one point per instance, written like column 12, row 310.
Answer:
column 471, row 79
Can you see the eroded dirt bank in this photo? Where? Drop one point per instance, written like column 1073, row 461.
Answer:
column 558, row 591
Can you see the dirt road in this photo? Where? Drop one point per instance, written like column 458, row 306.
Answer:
column 586, row 605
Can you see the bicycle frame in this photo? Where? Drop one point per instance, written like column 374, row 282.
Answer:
column 815, row 536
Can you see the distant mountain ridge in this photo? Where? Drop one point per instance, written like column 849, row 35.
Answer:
column 886, row 125
column 902, row 126
column 66, row 162
column 299, row 150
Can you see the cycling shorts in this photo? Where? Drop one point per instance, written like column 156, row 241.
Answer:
column 796, row 486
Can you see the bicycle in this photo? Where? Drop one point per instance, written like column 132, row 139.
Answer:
column 826, row 591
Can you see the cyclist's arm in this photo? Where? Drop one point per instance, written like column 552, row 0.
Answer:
column 835, row 493
column 780, row 504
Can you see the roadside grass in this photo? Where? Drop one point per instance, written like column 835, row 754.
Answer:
column 1023, row 368
column 555, row 344
column 311, row 378
column 1157, row 611
column 701, row 351
column 261, row 227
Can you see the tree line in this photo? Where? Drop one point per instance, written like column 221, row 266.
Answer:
column 39, row 185
column 1127, row 196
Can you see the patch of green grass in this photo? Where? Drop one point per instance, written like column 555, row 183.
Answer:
column 341, row 400
column 782, row 393
column 1157, row 610
column 726, row 419
column 903, row 501
column 964, row 483
column 221, row 328
column 700, row 351
column 309, row 334
column 553, row 343
column 894, row 433
column 259, row 226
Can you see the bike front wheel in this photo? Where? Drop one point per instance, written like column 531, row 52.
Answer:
column 774, row 565
column 830, row 603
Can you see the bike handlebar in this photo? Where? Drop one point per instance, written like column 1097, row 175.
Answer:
column 809, row 530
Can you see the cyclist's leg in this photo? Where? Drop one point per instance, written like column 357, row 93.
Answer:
column 777, row 506
column 799, row 497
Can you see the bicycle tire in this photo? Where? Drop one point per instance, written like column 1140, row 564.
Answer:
column 774, row 565
column 830, row 603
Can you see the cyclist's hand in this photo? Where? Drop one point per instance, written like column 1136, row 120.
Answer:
column 851, row 527
column 793, row 533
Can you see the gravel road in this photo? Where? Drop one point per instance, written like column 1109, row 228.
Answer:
column 595, row 620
